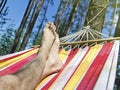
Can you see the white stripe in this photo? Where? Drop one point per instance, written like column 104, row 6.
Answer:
column 88, row 66
column 68, row 71
column 103, row 78
column 13, row 54
column 114, row 67
column 40, row 87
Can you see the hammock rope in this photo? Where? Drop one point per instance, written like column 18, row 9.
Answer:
column 85, row 34
column 88, row 65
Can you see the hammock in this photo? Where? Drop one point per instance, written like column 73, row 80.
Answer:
column 13, row 62
column 84, row 68
column 88, row 68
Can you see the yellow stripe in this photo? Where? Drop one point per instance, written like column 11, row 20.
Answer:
column 16, row 59
column 82, row 68
column 60, row 75
column 44, row 81
column 63, row 54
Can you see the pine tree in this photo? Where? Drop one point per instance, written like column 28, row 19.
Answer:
column 22, row 25
column 31, row 25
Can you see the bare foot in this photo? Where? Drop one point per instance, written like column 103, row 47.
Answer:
column 23, row 79
column 47, row 40
column 53, row 64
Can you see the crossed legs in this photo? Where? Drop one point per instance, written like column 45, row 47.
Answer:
column 53, row 63
column 47, row 62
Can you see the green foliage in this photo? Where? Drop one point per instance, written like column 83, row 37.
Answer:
column 3, row 19
column 6, row 41
column 70, row 17
column 62, row 27
column 38, row 39
column 19, row 43
column 7, row 34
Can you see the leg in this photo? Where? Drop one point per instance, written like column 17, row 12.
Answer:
column 53, row 63
column 34, row 71
column 9, row 82
column 47, row 40
column 46, row 44
column 29, row 77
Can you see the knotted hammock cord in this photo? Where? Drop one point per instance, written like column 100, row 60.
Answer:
column 89, row 58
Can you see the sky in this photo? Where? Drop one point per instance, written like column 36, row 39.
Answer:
column 17, row 9
column 109, row 18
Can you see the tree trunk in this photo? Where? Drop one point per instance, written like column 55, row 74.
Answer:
column 61, row 18
column 41, row 23
column 96, row 14
column 2, row 5
column 22, row 25
column 72, row 15
column 30, row 26
column 117, row 31
column 115, row 6
column 57, row 21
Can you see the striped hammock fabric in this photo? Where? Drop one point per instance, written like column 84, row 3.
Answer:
column 13, row 62
column 84, row 68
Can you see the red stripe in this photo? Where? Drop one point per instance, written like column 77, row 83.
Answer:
column 78, row 65
column 70, row 56
column 15, row 67
column 10, row 57
column 93, row 72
